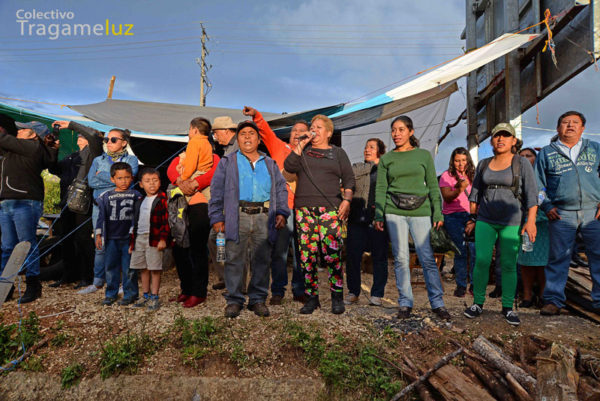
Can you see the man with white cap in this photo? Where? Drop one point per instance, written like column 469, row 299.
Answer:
column 224, row 134
column 24, row 156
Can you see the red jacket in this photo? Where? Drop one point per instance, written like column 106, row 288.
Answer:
column 159, row 220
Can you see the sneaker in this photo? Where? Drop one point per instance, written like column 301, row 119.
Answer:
column 233, row 310
column 404, row 312
column 473, row 311
column 460, row 291
column 121, row 292
column 351, row 299
column 376, row 301
column 142, row 303
column 108, row 301
column 442, row 313
column 126, row 301
column 81, row 284
column 90, row 289
column 276, row 300
column 511, row 317
column 550, row 310
column 153, row 304
column 259, row 309
column 471, row 290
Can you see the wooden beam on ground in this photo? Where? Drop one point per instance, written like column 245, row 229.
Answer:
column 496, row 358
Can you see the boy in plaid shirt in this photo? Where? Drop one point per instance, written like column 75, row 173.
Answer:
column 150, row 234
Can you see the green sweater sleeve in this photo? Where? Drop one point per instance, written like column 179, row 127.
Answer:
column 381, row 190
column 434, row 190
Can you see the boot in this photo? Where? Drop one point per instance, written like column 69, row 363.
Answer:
column 33, row 290
column 310, row 305
column 337, row 303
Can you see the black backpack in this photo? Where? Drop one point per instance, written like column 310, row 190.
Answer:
column 516, row 173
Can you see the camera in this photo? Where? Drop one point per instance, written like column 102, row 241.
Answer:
column 51, row 138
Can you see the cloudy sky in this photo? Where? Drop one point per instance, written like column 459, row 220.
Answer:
column 278, row 56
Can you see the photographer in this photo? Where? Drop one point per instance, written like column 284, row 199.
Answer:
column 24, row 156
column 78, row 251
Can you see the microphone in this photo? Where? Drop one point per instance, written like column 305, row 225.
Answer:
column 303, row 137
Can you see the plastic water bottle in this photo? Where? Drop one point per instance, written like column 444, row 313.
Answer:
column 541, row 196
column 221, row 247
column 526, row 244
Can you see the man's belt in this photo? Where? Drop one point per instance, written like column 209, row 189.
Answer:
column 254, row 207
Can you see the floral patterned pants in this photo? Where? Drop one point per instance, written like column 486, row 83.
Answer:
column 319, row 234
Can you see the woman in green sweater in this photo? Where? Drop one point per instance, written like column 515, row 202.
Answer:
column 408, row 197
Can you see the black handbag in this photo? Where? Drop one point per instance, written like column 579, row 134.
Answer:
column 407, row 201
column 79, row 196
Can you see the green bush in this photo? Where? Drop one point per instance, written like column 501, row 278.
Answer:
column 199, row 337
column 345, row 367
column 51, row 193
column 12, row 339
column 71, row 375
column 124, row 354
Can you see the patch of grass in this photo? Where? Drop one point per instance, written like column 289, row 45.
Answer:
column 61, row 339
column 345, row 367
column 312, row 345
column 124, row 354
column 71, row 375
column 33, row 364
column 239, row 356
column 12, row 339
column 199, row 337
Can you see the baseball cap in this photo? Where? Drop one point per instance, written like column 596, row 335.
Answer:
column 39, row 128
column 223, row 122
column 245, row 124
column 504, row 127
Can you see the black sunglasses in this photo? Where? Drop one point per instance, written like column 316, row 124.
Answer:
column 503, row 134
column 114, row 139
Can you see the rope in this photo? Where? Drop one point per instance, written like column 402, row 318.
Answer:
column 12, row 364
column 549, row 44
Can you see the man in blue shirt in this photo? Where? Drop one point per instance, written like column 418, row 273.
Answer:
column 567, row 171
column 249, row 204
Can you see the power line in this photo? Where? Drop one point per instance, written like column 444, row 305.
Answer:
column 243, row 51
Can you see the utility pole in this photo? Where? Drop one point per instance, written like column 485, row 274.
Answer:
column 203, row 68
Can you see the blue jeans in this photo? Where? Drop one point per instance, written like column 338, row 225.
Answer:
column 363, row 238
column 455, row 225
column 117, row 262
column 18, row 222
column 279, row 273
column 562, row 241
column 99, row 262
column 398, row 228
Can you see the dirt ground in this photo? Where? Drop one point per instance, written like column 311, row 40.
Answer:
column 272, row 372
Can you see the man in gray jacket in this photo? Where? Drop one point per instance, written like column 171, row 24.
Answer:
column 249, row 204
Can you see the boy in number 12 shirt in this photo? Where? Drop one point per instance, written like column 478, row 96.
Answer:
column 115, row 218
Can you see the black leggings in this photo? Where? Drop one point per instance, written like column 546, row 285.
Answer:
column 192, row 262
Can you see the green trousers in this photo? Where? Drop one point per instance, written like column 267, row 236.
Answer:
column 509, row 240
